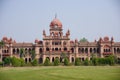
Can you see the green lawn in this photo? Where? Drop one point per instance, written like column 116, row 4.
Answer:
column 61, row 73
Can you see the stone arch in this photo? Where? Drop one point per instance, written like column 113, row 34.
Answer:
column 72, row 49
column 40, row 50
column 29, row 50
column 72, row 59
column 48, row 58
column 29, row 59
column 17, row 50
column 56, row 49
column 14, row 51
column 94, row 50
column 40, row 60
column 98, row 50
column 52, row 49
column 60, row 59
column 47, row 49
column 59, row 49
column 65, row 49
column 26, row 50
column 83, row 59
column 79, row 50
column 91, row 50
column 82, row 50
column 86, row 50
column 115, row 50
column 5, row 51
column 25, row 60
column 52, row 59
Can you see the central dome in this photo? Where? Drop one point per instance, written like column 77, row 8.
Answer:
column 55, row 22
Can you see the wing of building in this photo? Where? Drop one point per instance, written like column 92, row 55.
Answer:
column 59, row 45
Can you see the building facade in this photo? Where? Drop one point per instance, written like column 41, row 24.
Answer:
column 59, row 45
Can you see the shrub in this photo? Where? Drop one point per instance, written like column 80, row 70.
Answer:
column 56, row 62
column 111, row 60
column 86, row 62
column 34, row 62
column 7, row 61
column 47, row 62
column 15, row 62
column 66, row 62
column 77, row 61
column 22, row 62
column 95, row 61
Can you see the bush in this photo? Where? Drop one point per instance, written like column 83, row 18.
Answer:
column 66, row 62
column 47, row 62
column 86, row 62
column 1, row 63
column 95, row 61
column 22, row 62
column 7, row 61
column 77, row 61
column 56, row 62
column 15, row 62
column 34, row 62
column 111, row 60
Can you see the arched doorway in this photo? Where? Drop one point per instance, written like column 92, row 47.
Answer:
column 72, row 59
column 40, row 60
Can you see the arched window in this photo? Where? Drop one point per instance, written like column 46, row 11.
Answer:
column 79, row 50
column 72, row 59
column 40, row 60
column 52, row 59
column 95, row 50
column 72, row 49
column 65, row 49
column 115, row 50
column 17, row 50
column 60, row 49
column 56, row 49
column 52, row 49
column 90, row 50
column 98, row 50
column 86, row 50
column 40, row 50
column 82, row 50
column 14, row 51
column 47, row 49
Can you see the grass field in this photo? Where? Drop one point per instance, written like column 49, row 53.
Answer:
column 61, row 73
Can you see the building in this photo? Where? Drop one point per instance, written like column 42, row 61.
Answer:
column 58, row 45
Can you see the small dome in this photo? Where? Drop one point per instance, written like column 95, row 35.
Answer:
column 56, row 22
column 106, row 38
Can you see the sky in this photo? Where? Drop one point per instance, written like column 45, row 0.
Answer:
column 25, row 20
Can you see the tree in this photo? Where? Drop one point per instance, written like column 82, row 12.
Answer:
column 22, row 54
column 34, row 62
column 77, row 61
column 83, row 40
column 56, row 62
column 66, row 61
column 32, row 54
column 47, row 62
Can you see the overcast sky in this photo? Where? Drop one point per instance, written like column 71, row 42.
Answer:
column 25, row 20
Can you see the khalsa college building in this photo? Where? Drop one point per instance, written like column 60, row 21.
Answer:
column 56, row 43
